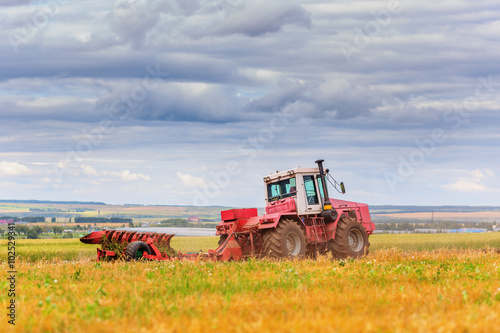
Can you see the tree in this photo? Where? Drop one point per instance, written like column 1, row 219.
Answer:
column 32, row 234
column 39, row 230
column 57, row 230
column 21, row 229
column 53, row 219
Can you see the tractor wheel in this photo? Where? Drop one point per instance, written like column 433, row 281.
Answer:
column 135, row 250
column 285, row 241
column 222, row 239
column 351, row 239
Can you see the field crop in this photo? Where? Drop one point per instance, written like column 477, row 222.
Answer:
column 398, row 287
column 33, row 250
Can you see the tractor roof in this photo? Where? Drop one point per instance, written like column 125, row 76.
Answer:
column 289, row 173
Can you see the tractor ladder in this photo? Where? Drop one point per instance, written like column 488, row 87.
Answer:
column 316, row 232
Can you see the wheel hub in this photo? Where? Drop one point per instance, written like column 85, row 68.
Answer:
column 355, row 240
column 293, row 244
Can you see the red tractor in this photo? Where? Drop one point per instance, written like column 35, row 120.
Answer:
column 300, row 220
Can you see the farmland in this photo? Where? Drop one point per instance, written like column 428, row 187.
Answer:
column 408, row 283
column 63, row 211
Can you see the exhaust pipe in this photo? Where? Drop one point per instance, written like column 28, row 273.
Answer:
column 327, row 204
column 329, row 214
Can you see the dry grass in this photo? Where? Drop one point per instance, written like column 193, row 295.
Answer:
column 465, row 216
column 443, row 290
column 390, row 290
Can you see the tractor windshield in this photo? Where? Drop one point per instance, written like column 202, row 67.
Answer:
column 282, row 189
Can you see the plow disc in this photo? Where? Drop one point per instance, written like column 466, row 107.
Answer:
column 117, row 236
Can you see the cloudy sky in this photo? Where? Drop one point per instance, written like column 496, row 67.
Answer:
column 194, row 102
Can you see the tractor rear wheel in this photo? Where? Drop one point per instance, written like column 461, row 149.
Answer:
column 351, row 239
column 135, row 250
column 285, row 241
column 222, row 239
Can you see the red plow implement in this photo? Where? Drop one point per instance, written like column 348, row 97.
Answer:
column 133, row 245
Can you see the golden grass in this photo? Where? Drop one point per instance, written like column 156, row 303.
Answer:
column 32, row 250
column 389, row 291
column 396, row 288
column 462, row 216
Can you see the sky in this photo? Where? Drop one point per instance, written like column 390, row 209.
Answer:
column 193, row 102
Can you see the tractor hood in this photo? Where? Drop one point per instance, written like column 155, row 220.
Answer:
column 339, row 204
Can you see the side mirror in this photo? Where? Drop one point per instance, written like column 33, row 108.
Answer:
column 342, row 187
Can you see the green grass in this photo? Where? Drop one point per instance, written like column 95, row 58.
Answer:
column 387, row 291
column 72, row 249
column 408, row 242
column 32, row 250
column 408, row 283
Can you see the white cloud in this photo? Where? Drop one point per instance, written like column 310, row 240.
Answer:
column 89, row 170
column 190, row 180
column 471, row 183
column 13, row 169
column 127, row 175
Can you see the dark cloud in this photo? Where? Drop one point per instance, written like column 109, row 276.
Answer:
column 9, row 3
column 259, row 19
column 172, row 102
column 327, row 99
column 179, row 7
column 131, row 21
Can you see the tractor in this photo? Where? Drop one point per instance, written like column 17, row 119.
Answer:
column 300, row 220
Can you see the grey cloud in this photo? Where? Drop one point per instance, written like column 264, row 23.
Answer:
column 15, row 3
column 258, row 19
column 179, row 7
column 132, row 20
column 174, row 102
column 336, row 99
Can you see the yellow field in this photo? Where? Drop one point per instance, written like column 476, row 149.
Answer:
column 465, row 217
column 390, row 290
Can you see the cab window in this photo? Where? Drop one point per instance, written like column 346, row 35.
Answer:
column 320, row 185
column 282, row 189
column 311, row 193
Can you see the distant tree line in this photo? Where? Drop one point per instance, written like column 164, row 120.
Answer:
column 436, row 225
column 102, row 220
column 55, row 202
column 29, row 219
column 34, row 232
column 182, row 223
column 175, row 223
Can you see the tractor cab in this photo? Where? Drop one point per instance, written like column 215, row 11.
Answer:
column 307, row 188
column 302, row 185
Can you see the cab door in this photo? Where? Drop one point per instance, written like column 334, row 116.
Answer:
column 313, row 202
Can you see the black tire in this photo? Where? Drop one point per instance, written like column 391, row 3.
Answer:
column 287, row 240
column 222, row 239
column 351, row 239
column 135, row 250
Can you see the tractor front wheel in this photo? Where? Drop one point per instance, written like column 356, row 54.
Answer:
column 351, row 239
column 136, row 250
column 285, row 241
